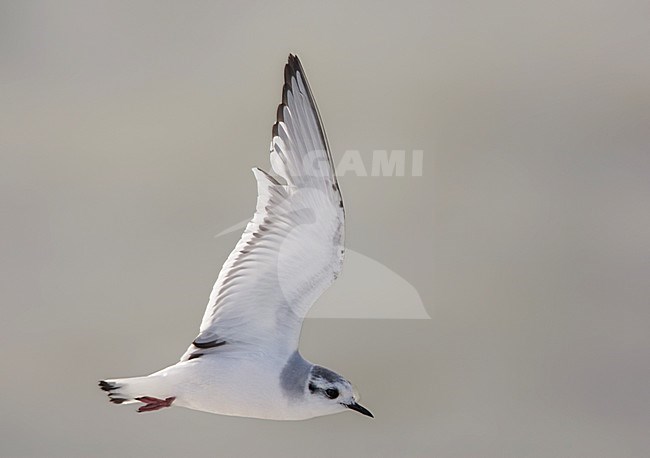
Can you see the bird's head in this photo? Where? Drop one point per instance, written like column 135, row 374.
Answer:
column 332, row 392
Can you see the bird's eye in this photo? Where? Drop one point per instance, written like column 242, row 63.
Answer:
column 332, row 393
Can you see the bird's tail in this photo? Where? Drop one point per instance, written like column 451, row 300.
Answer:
column 123, row 390
column 147, row 390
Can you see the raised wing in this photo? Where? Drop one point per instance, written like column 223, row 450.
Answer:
column 292, row 249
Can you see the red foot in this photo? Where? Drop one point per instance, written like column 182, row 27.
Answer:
column 152, row 404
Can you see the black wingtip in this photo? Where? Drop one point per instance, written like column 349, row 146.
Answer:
column 279, row 114
column 287, row 75
column 286, row 87
column 293, row 67
column 211, row 344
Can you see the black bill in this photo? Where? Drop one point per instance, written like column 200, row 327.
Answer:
column 359, row 408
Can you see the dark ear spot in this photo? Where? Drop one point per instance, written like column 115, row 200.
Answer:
column 312, row 388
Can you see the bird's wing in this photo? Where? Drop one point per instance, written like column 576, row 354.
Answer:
column 292, row 249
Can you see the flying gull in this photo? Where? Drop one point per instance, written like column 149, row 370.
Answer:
column 245, row 359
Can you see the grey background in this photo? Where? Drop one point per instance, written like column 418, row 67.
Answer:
column 128, row 131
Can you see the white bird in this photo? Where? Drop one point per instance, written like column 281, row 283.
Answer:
column 245, row 360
